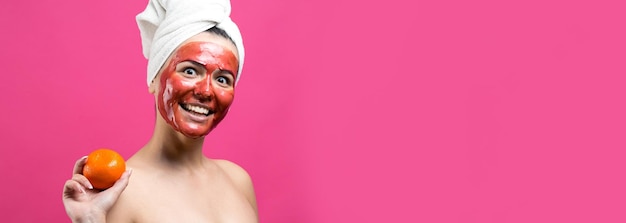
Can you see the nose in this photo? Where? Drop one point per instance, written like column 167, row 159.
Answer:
column 203, row 88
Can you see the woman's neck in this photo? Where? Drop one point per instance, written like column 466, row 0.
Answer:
column 170, row 147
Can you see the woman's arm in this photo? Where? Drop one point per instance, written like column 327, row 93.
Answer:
column 84, row 204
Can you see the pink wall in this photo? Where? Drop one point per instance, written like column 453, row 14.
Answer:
column 361, row 111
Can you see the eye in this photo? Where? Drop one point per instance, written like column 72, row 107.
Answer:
column 190, row 71
column 223, row 80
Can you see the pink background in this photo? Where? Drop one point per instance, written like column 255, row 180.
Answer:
column 348, row 111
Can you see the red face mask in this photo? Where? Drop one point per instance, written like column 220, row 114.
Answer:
column 197, row 87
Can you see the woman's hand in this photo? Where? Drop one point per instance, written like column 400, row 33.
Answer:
column 85, row 204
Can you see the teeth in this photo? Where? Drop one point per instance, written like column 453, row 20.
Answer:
column 197, row 109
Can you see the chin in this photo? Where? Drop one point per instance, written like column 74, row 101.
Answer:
column 195, row 133
column 194, row 136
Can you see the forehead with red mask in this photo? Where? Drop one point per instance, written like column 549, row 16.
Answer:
column 197, row 87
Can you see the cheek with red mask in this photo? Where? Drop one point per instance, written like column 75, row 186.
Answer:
column 197, row 88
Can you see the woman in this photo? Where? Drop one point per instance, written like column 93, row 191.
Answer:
column 193, row 86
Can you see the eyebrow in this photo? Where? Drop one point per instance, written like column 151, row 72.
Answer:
column 196, row 63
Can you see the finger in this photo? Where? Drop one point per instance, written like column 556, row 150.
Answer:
column 120, row 184
column 71, row 188
column 110, row 196
column 80, row 163
column 82, row 180
column 123, row 181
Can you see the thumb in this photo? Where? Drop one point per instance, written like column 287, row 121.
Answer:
column 111, row 194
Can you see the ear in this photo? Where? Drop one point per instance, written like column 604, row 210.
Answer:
column 152, row 87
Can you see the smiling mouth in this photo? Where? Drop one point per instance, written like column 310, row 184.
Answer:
column 196, row 109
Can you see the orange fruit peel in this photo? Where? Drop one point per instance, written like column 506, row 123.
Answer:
column 103, row 168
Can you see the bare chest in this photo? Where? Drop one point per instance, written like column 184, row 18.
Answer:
column 212, row 200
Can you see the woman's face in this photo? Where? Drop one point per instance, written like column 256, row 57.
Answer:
column 196, row 85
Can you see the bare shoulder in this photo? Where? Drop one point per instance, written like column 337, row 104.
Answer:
column 239, row 177
column 132, row 203
column 123, row 210
column 234, row 171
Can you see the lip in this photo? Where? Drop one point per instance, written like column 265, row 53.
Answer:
column 199, row 105
column 195, row 117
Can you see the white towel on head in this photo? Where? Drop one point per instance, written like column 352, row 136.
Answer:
column 165, row 24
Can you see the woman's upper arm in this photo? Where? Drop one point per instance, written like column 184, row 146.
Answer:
column 241, row 178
